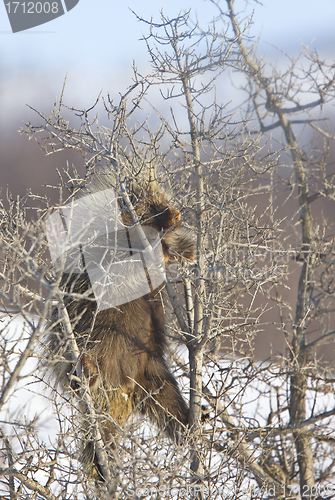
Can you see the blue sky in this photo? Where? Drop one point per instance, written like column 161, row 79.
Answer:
column 106, row 31
column 97, row 40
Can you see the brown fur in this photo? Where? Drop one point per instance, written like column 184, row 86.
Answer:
column 123, row 349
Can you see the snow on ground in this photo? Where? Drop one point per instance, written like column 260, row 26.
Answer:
column 31, row 400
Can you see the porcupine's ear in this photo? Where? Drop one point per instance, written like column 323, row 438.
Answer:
column 165, row 216
column 178, row 244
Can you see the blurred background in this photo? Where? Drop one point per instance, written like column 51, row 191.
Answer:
column 95, row 45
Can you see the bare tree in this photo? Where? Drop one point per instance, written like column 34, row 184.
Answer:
column 276, row 100
column 267, row 427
